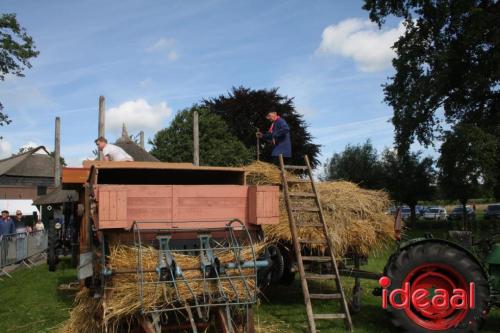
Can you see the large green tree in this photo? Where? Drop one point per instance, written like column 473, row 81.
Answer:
column 16, row 51
column 467, row 161
column 218, row 147
column 447, row 68
column 408, row 177
column 245, row 110
column 358, row 164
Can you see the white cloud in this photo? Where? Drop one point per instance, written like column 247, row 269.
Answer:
column 166, row 47
column 5, row 148
column 137, row 115
column 362, row 41
column 172, row 56
column 30, row 145
column 162, row 44
column 146, row 82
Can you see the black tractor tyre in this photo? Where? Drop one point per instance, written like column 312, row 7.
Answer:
column 437, row 258
column 52, row 246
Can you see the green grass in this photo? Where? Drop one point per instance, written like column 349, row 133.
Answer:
column 30, row 302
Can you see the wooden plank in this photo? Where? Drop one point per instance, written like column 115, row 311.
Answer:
column 103, row 205
column 112, row 205
column 121, row 206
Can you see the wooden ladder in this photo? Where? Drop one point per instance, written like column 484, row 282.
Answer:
column 328, row 256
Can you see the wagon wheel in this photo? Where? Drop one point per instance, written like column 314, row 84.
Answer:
column 431, row 265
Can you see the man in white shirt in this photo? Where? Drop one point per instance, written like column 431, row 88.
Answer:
column 112, row 152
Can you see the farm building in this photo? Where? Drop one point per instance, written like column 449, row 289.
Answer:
column 27, row 175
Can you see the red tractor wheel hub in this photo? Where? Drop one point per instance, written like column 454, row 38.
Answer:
column 430, row 277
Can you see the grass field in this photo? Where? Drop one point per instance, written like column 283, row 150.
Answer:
column 31, row 303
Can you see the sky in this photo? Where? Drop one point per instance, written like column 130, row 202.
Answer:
column 151, row 59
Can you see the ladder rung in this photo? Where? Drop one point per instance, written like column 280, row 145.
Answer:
column 320, row 277
column 329, row 316
column 302, row 195
column 309, row 225
column 316, row 258
column 296, row 167
column 305, row 209
column 325, row 296
column 313, row 241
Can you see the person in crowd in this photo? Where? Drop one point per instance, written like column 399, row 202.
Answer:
column 112, row 152
column 19, row 222
column 38, row 232
column 39, row 226
column 279, row 136
column 21, row 233
column 7, row 229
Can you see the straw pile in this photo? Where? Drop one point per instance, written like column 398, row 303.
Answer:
column 356, row 217
column 122, row 302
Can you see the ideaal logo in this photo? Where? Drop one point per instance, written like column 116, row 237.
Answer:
column 422, row 299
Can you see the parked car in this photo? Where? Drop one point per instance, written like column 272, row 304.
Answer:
column 436, row 214
column 420, row 210
column 405, row 213
column 457, row 213
column 492, row 212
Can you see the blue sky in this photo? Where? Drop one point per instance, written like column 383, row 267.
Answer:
column 153, row 58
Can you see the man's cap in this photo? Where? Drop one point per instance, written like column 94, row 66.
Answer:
column 101, row 138
column 5, row 211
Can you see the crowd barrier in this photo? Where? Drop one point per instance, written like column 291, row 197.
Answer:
column 21, row 248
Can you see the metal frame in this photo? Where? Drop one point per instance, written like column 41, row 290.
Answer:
column 213, row 273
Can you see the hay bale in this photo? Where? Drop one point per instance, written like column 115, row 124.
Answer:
column 357, row 218
column 83, row 316
column 261, row 173
column 122, row 304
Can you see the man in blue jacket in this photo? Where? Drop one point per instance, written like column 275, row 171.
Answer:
column 7, row 228
column 279, row 136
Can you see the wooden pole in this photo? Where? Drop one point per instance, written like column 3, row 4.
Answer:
column 101, row 129
column 258, row 146
column 57, row 153
column 196, row 139
column 141, row 139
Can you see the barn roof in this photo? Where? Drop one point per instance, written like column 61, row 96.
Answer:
column 56, row 196
column 133, row 149
column 29, row 164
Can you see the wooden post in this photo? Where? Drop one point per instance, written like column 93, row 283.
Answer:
column 141, row 139
column 101, row 129
column 196, row 139
column 57, row 153
column 258, row 145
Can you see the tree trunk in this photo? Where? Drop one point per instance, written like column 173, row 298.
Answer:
column 413, row 217
column 464, row 214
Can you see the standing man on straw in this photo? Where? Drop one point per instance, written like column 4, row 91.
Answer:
column 279, row 135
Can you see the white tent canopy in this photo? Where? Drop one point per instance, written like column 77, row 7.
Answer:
column 26, row 206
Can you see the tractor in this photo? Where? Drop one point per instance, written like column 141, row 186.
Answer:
column 456, row 263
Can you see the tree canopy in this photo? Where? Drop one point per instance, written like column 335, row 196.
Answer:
column 245, row 110
column 218, row 147
column 468, row 159
column 16, row 50
column 358, row 164
column 447, row 60
column 408, row 178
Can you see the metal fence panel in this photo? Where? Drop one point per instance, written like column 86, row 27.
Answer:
column 20, row 247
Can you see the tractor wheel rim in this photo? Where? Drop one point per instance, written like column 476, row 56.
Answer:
column 433, row 276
